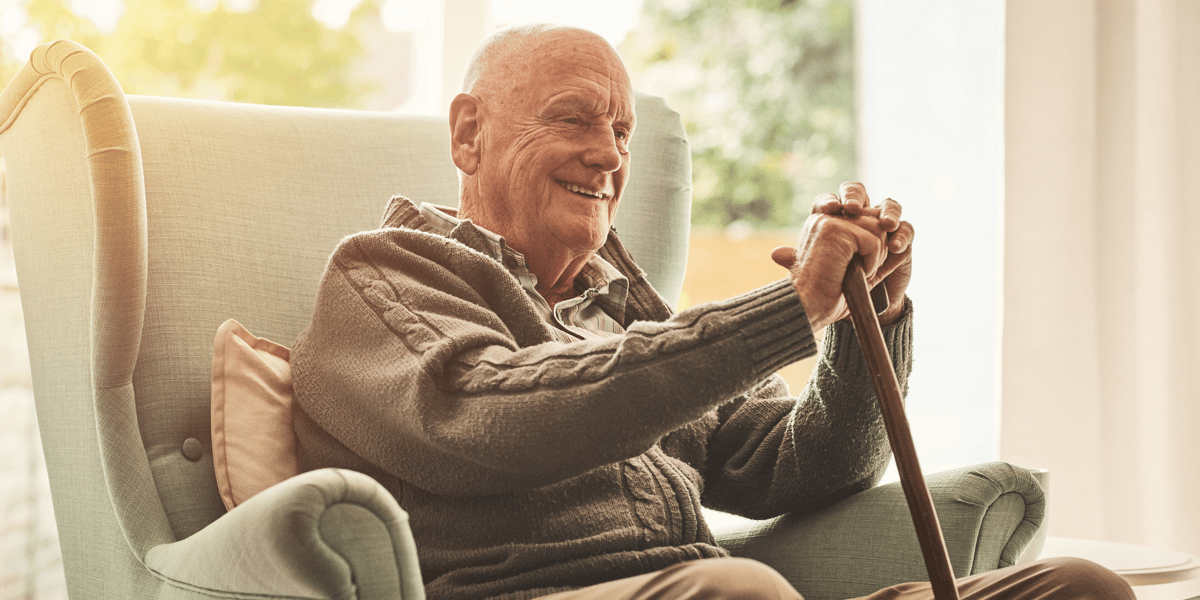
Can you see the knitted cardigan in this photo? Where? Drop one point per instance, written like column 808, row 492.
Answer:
column 530, row 466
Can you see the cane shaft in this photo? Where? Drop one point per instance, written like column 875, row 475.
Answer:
column 891, row 403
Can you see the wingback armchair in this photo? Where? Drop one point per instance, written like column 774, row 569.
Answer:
column 140, row 224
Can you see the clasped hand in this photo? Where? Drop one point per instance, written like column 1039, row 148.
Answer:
column 842, row 225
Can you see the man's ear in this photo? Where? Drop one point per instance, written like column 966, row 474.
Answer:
column 466, row 132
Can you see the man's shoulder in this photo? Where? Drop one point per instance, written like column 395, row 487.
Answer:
column 397, row 246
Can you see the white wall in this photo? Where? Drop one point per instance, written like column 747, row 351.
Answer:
column 1101, row 333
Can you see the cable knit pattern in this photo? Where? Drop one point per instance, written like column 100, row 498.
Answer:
column 530, row 466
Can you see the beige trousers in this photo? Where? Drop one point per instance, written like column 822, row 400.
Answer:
column 742, row 579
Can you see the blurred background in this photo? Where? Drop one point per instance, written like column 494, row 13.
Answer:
column 782, row 99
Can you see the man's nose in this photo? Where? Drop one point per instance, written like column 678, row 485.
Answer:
column 602, row 152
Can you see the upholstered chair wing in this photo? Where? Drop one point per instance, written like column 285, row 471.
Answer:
column 141, row 224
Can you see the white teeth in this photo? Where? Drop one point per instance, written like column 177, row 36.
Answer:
column 571, row 187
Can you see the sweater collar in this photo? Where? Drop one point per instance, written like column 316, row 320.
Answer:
column 644, row 303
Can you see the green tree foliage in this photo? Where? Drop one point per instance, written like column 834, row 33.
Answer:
column 266, row 51
column 766, row 90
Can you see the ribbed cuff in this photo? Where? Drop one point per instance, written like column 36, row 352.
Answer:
column 774, row 326
column 840, row 347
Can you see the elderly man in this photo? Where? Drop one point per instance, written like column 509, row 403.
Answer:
column 550, row 427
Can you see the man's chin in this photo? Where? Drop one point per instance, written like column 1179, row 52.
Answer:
column 589, row 241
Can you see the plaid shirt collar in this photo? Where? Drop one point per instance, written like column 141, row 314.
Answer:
column 602, row 290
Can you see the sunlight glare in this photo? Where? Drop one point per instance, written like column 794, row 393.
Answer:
column 104, row 14
column 24, row 42
column 241, row 6
column 12, row 17
column 612, row 23
column 405, row 15
column 334, row 14
column 204, row 6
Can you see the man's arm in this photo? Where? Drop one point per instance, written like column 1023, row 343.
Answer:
column 419, row 349
column 421, row 360
column 768, row 454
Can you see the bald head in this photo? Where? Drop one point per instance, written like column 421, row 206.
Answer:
column 501, row 60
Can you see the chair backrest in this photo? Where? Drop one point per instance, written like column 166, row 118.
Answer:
column 140, row 224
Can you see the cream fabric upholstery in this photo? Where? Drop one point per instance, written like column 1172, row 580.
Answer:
column 141, row 224
column 989, row 513
column 133, row 245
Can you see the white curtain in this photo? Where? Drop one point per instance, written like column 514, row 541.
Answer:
column 1100, row 342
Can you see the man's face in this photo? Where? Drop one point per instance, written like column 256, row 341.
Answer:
column 555, row 154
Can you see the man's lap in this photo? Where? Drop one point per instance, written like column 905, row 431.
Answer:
column 735, row 579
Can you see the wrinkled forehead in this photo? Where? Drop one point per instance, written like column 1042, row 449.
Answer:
column 568, row 64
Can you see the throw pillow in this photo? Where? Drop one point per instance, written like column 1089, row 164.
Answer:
column 254, row 445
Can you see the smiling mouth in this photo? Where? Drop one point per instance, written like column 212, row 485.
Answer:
column 577, row 189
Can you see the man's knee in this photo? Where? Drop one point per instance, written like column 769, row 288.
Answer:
column 737, row 579
column 1079, row 578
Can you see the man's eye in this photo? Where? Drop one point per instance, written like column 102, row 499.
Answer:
column 571, row 120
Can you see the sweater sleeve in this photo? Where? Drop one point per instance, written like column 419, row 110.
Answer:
column 767, row 454
column 404, row 358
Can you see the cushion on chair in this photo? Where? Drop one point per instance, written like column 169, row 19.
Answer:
column 254, row 446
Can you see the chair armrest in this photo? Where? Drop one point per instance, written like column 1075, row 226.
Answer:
column 324, row 534
column 988, row 513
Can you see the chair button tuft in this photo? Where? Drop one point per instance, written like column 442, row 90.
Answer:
column 192, row 449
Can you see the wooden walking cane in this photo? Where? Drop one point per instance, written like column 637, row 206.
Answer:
column 887, row 388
